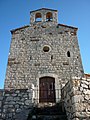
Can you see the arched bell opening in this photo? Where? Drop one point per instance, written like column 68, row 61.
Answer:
column 38, row 17
column 49, row 16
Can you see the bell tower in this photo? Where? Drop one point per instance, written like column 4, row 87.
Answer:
column 43, row 15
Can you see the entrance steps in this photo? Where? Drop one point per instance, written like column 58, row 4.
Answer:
column 52, row 117
column 48, row 112
column 43, row 105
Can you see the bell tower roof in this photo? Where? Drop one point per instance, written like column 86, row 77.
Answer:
column 43, row 9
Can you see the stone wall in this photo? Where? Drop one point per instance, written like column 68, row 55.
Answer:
column 27, row 60
column 76, row 97
column 15, row 104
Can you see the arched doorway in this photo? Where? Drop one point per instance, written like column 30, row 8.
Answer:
column 47, row 89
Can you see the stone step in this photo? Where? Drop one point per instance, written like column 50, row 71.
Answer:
column 51, row 117
column 55, row 112
column 40, row 105
column 50, row 111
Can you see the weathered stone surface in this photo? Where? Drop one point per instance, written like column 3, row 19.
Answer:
column 28, row 62
column 84, row 85
column 77, row 98
column 86, row 91
column 13, row 105
column 87, row 97
column 18, row 110
column 16, row 98
column 77, row 104
column 27, row 102
column 9, row 98
column 0, row 103
column 14, row 94
column 1, row 98
column 17, row 106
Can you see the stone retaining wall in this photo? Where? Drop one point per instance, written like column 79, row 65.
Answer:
column 76, row 97
column 15, row 104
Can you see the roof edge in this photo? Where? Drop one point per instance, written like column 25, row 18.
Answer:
column 13, row 30
column 43, row 9
column 68, row 26
column 87, row 74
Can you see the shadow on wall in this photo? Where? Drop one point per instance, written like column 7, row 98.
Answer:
column 55, row 112
column 15, row 104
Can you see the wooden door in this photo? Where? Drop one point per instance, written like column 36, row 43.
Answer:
column 47, row 89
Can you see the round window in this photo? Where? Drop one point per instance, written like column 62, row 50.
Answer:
column 46, row 49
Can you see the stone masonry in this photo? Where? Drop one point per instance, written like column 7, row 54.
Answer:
column 27, row 60
column 15, row 104
column 44, row 48
column 76, row 97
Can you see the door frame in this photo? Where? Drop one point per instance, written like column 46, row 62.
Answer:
column 57, row 86
column 46, row 93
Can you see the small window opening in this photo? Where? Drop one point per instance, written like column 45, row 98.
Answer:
column 57, row 26
column 49, row 16
column 51, row 57
column 68, row 54
column 46, row 49
column 38, row 17
column 30, row 57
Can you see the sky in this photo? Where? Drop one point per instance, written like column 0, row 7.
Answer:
column 16, row 13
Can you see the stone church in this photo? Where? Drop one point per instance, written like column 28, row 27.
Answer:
column 45, row 64
column 44, row 55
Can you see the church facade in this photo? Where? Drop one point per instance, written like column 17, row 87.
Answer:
column 45, row 68
column 43, row 55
